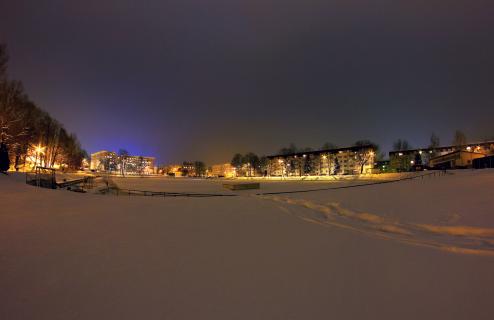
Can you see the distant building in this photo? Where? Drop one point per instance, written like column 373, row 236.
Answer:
column 406, row 160
column 455, row 160
column 108, row 161
column 222, row 170
column 350, row 160
column 186, row 169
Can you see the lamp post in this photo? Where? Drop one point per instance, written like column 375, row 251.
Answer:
column 39, row 151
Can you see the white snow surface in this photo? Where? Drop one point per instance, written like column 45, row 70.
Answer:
column 414, row 249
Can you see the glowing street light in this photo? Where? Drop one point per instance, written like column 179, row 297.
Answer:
column 39, row 149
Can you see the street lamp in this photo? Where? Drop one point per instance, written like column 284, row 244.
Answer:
column 39, row 150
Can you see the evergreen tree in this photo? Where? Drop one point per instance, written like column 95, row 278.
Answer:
column 236, row 162
column 336, row 168
column 308, row 165
column 4, row 158
column 263, row 165
column 418, row 159
column 199, row 168
column 252, row 161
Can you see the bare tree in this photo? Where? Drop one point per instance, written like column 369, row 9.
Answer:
column 366, row 153
column 459, row 139
column 401, row 144
column 292, row 148
column 328, row 146
column 122, row 160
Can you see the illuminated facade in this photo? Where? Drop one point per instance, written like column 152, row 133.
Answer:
column 350, row 160
column 455, row 159
column 108, row 161
column 223, row 170
column 406, row 160
column 173, row 170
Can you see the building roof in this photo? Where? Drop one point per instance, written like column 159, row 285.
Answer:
column 443, row 147
column 100, row 152
column 130, row 156
column 454, row 152
column 353, row 148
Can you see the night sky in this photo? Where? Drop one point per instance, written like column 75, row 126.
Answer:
column 197, row 79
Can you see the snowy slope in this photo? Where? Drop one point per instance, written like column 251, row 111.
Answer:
column 65, row 255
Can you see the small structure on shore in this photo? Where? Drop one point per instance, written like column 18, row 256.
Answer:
column 242, row 186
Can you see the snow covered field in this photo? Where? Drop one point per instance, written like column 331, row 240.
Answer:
column 414, row 249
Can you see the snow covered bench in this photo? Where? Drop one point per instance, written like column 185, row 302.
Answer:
column 242, row 186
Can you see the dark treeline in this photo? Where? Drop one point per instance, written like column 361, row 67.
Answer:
column 249, row 164
column 29, row 134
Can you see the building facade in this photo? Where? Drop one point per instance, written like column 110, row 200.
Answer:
column 455, row 160
column 406, row 160
column 225, row 170
column 108, row 161
column 350, row 160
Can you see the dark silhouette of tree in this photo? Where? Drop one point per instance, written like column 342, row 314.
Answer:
column 434, row 144
column 4, row 158
column 4, row 58
column 328, row 146
column 366, row 153
column 263, row 165
column 362, row 143
column 434, row 141
column 24, row 127
column 401, row 144
column 418, row 159
column 308, row 165
column 336, row 168
column 459, row 139
column 289, row 150
column 199, row 168
column 237, row 162
column 252, row 162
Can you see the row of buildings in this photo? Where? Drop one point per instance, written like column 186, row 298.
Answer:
column 447, row 157
column 363, row 160
column 340, row 161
